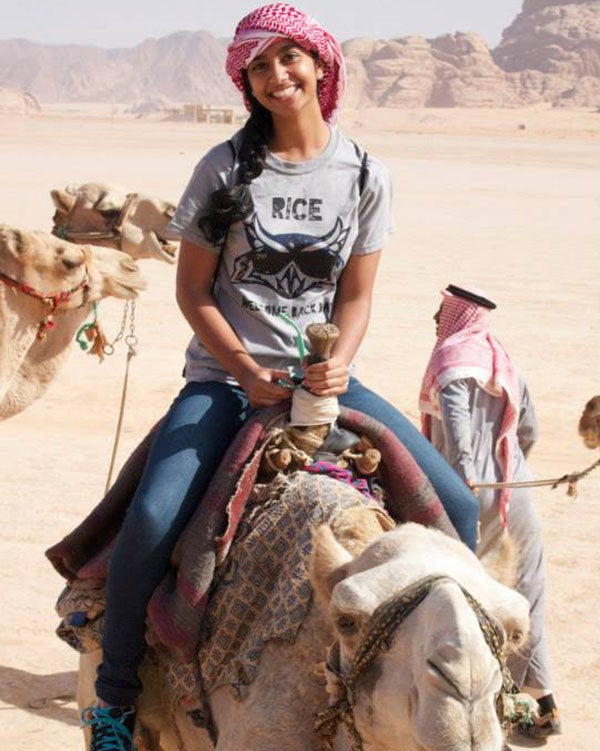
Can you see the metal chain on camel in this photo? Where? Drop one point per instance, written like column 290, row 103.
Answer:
column 131, row 341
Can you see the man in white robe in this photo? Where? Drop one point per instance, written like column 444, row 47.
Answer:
column 477, row 411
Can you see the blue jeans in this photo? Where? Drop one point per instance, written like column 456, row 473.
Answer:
column 187, row 450
column 459, row 502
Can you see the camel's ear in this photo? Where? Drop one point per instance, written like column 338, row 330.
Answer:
column 357, row 526
column 328, row 562
column 63, row 201
column 589, row 423
column 501, row 562
column 517, row 629
column 511, row 609
column 110, row 201
column 13, row 240
column 384, row 519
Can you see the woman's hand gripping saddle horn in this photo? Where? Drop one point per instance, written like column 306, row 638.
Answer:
column 312, row 432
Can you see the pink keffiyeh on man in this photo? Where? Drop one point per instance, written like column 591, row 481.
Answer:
column 465, row 348
column 256, row 31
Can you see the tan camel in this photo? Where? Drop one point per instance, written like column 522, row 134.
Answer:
column 432, row 686
column 47, row 287
column 104, row 215
column 589, row 423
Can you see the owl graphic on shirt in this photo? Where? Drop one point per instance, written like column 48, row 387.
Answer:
column 290, row 263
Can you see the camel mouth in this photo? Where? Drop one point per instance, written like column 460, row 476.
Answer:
column 128, row 290
column 128, row 293
column 169, row 249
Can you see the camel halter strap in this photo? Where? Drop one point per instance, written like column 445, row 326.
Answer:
column 381, row 629
column 112, row 232
column 51, row 302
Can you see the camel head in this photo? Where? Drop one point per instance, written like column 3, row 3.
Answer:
column 47, row 286
column 50, row 266
column 41, row 261
column 431, row 685
column 589, row 423
column 103, row 215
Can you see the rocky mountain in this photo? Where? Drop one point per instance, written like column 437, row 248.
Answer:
column 550, row 53
column 454, row 70
column 553, row 48
column 185, row 66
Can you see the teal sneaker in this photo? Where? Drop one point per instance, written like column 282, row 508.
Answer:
column 542, row 727
column 111, row 727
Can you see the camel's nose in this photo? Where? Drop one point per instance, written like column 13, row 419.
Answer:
column 128, row 264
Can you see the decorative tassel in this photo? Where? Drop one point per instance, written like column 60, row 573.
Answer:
column 91, row 338
column 44, row 326
column 97, row 338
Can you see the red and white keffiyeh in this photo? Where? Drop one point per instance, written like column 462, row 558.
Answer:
column 256, row 31
column 466, row 349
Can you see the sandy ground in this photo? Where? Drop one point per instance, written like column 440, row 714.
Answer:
column 506, row 199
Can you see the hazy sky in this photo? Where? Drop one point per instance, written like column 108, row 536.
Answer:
column 125, row 23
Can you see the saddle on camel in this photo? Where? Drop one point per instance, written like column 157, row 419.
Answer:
column 239, row 573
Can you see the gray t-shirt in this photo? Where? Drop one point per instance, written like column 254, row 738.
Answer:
column 288, row 256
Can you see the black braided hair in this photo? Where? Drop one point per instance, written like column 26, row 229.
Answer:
column 229, row 205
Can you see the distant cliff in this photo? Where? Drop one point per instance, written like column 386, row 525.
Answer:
column 550, row 53
column 553, row 50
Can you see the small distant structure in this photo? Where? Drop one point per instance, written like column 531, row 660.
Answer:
column 206, row 113
column 18, row 101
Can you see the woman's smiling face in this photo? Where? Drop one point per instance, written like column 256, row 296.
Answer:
column 284, row 78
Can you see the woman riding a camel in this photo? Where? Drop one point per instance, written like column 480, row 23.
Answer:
column 288, row 216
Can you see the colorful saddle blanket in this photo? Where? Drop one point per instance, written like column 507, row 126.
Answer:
column 194, row 611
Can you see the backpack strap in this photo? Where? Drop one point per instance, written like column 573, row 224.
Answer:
column 234, row 155
column 364, row 170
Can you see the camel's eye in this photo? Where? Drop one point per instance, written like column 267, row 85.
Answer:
column 346, row 625
column 69, row 264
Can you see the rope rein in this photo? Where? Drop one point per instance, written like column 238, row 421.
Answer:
column 381, row 629
column 92, row 338
column 571, row 480
column 131, row 341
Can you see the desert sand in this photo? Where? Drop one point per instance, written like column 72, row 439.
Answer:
column 508, row 200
